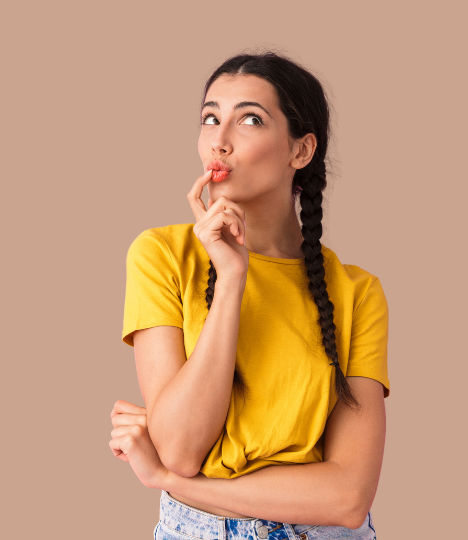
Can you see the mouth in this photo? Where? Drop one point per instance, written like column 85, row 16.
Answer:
column 220, row 175
column 221, row 171
column 217, row 165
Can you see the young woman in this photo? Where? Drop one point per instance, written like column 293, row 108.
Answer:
column 261, row 358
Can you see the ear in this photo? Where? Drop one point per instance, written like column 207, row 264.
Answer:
column 303, row 150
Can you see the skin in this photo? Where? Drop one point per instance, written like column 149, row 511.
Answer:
column 264, row 159
column 340, row 490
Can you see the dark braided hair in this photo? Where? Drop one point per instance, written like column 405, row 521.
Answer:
column 303, row 101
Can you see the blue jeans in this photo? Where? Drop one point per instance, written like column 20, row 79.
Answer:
column 178, row 521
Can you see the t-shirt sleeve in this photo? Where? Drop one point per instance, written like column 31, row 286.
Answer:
column 152, row 293
column 369, row 337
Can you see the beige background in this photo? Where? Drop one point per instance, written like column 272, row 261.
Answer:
column 99, row 112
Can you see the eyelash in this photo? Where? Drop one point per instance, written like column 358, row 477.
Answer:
column 205, row 116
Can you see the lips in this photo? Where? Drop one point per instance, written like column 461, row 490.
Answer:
column 219, row 176
column 221, row 171
column 218, row 166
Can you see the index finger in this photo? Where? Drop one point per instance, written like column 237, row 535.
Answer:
column 194, row 195
column 122, row 406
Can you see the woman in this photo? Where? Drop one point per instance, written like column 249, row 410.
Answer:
column 262, row 359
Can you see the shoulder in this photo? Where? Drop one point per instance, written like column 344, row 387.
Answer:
column 176, row 242
column 170, row 234
column 349, row 279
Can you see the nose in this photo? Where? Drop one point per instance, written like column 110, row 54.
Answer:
column 221, row 148
column 221, row 142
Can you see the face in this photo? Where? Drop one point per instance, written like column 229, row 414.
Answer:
column 252, row 140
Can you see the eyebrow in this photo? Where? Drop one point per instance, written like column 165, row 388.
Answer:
column 240, row 105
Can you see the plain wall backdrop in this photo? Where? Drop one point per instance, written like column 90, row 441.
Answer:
column 99, row 128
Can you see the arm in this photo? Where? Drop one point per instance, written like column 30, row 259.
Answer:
column 336, row 492
column 187, row 415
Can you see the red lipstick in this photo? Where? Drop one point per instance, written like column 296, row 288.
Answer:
column 221, row 171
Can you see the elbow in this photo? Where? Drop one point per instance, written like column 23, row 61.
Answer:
column 171, row 458
column 181, row 467
column 355, row 521
column 356, row 510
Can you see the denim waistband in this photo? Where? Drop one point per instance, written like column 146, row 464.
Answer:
column 179, row 521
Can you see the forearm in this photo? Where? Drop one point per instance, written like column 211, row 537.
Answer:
column 309, row 494
column 189, row 414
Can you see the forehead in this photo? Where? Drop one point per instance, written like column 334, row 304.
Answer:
column 228, row 88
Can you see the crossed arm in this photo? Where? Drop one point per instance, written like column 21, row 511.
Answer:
column 338, row 491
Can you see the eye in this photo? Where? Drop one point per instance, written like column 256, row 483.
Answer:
column 259, row 118
column 207, row 116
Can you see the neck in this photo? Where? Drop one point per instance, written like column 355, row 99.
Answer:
column 273, row 231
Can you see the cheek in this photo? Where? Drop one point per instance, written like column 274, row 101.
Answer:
column 201, row 145
column 260, row 153
column 204, row 142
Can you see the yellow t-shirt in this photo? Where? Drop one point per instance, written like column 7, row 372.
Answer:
column 279, row 349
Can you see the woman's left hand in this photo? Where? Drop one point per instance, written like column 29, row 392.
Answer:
column 131, row 442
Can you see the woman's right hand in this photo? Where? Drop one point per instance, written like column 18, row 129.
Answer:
column 221, row 231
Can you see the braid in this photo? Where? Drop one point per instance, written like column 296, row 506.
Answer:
column 311, row 216
column 211, row 284
column 238, row 381
column 304, row 103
